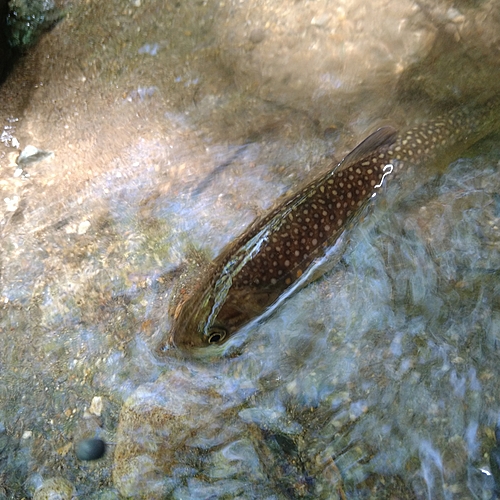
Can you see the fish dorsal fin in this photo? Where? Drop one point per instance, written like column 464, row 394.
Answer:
column 381, row 137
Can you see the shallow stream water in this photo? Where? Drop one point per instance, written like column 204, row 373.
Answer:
column 171, row 128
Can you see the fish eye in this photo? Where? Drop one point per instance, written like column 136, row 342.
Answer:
column 216, row 334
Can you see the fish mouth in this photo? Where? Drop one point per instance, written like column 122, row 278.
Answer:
column 185, row 344
column 216, row 351
column 230, row 347
column 171, row 347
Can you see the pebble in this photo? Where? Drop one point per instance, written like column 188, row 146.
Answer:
column 55, row 488
column 83, row 227
column 90, row 449
column 96, row 404
column 321, row 20
column 257, row 35
column 31, row 154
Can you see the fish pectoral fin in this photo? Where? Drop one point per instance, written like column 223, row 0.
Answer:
column 381, row 137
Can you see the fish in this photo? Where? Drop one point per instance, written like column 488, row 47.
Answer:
column 282, row 251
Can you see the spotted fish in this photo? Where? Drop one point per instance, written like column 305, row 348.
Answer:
column 280, row 251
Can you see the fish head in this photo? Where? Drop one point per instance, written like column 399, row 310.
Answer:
column 189, row 322
column 202, row 321
column 194, row 324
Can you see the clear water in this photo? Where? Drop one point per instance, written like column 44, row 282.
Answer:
column 376, row 381
column 386, row 365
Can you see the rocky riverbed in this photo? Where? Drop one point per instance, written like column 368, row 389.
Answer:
column 169, row 128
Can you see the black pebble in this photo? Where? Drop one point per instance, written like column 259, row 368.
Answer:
column 90, row 449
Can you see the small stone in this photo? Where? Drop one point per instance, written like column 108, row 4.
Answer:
column 55, row 488
column 257, row 35
column 12, row 203
column 455, row 15
column 96, row 406
column 31, row 154
column 90, row 449
column 83, row 227
column 320, row 20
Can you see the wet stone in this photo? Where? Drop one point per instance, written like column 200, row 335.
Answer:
column 257, row 35
column 187, row 428
column 156, row 439
column 55, row 488
column 31, row 154
column 392, row 353
column 90, row 449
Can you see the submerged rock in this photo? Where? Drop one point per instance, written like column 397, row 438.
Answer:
column 367, row 374
column 158, row 429
column 55, row 488
column 364, row 383
column 31, row 154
